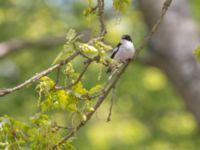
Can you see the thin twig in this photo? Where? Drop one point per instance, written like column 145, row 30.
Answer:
column 100, row 4
column 77, row 80
column 93, row 9
column 36, row 77
column 63, row 127
column 156, row 25
column 57, row 76
column 85, row 56
column 111, row 104
column 96, row 59
column 80, row 76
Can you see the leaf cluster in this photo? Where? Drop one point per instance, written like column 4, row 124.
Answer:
column 197, row 53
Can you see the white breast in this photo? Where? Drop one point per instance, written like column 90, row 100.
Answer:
column 126, row 51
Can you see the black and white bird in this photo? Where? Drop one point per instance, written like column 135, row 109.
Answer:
column 124, row 50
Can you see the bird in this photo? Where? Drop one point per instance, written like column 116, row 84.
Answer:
column 123, row 51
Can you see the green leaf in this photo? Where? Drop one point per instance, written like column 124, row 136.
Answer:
column 69, row 70
column 61, row 98
column 89, row 109
column 63, row 54
column 44, row 87
column 68, row 146
column 95, row 89
column 102, row 46
column 46, row 105
column 121, row 5
column 68, row 47
column 88, row 11
column 82, row 116
column 47, row 79
column 39, row 119
column 78, row 88
column 88, row 49
column 58, row 99
column 197, row 53
column 71, row 34
column 44, row 135
column 72, row 102
column 3, row 144
column 72, row 107
column 13, row 133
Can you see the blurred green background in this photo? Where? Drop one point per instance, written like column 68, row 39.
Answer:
column 148, row 113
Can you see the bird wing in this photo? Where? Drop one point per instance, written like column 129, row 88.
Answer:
column 115, row 50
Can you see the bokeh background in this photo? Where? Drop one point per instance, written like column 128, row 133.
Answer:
column 148, row 112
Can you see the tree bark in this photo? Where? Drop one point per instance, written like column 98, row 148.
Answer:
column 171, row 48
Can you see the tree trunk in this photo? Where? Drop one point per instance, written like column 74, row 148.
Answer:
column 171, row 48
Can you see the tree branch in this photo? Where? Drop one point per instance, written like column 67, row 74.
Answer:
column 157, row 24
column 19, row 44
column 36, row 77
column 100, row 4
column 77, row 80
column 110, row 83
column 96, row 106
column 111, row 104
column 118, row 75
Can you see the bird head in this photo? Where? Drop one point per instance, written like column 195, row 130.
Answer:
column 126, row 37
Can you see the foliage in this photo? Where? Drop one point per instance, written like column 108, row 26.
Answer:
column 120, row 5
column 197, row 53
column 145, row 115
column 71, row 97
column 67, row 50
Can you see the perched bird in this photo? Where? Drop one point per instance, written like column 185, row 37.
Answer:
column 124, row 50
